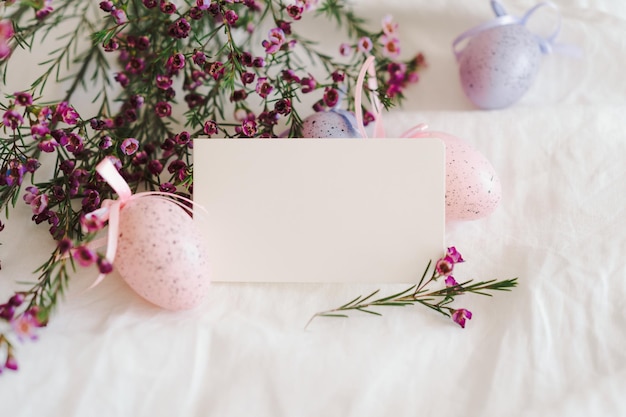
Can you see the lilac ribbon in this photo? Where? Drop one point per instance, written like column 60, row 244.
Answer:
column 547, row 44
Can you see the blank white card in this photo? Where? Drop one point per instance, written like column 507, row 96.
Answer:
column 321, row 210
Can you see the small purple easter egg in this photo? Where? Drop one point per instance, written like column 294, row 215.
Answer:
column 161, row 254
column 335, row 123
column 499, row 65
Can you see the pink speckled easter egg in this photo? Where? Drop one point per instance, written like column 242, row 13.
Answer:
column 161, row 255
column 499, row 65
column 473, row 189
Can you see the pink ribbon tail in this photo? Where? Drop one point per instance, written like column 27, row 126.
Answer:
column 109, row 173
column 372, row 84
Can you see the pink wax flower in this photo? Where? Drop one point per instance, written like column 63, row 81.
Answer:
column 389, row 26
column 163, row 109
column 25, row 325
column 331, row 97
column 23, row 98
column 263, row 87
column 345, row 49
column 129, row 146
column 450, row 281
column 391, row 46
column 163, row 82
column 84, row 256
column 364, row 45
column 276, row 39
column 12, row 119
column 210, row 127
column 455, row 255
column 6, row 33
column 120, row 16
column 444, row 266
column 459, row 316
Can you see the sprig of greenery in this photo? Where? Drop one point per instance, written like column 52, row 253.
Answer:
column 438, row 300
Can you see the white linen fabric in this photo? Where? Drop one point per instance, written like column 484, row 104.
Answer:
column 555, row 346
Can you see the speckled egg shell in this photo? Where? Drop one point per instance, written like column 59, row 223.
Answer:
column 161, row 255
column 473, row 189
column 499, row 65
column 330, row 124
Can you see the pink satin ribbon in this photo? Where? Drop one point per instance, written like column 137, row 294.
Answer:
column 110, row 209
column 377, row 107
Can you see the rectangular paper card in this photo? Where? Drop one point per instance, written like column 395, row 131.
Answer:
column 321, row 210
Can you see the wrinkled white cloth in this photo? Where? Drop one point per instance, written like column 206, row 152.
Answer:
column 555, row 346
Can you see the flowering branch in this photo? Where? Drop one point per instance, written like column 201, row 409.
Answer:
column 145, row 63
column 438, row 300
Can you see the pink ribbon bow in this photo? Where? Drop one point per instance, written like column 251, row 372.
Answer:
column 110, row 209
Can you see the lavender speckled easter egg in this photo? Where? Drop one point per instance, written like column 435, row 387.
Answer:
column 499, row 65
column 334, row 123
column 161, row 255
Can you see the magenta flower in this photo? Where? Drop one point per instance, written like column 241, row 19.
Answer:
column 93, row 221
column 129, row 146
column 135, row 65
column 295, row 11
column 39, row 204
column 283, row 106
column 248, row 128
column 199, row 57
column 39, row 130
column 231, row 17
column 155, row 167
column 263, row 87
column 210, row 127
column 13, row 173
column 450, row 281
column 345, row 49
column 104, row 266
column 214, row 69
column 167, row 7
column 459, row 316
column 167, row 187
column 44, row 11
column 331, row 97
column 247, row 77
column 121, row 78
column 364, row 45
column 444, row 266
column 163, row 109
column 75, row 143
column 6, row 33
column 120, row 16
column 66, row 113
column 23, row 99
column 163, row 82
column 84, row 256
column 12, row 119
column 276, row 39
column 203, row 4
column 10, row 363
column 455, row 255
column 308, row 84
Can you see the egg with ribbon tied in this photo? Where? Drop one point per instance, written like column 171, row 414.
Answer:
column 498, row 65
column 161, row 254
column 334, row 123
column 473, row 189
